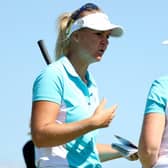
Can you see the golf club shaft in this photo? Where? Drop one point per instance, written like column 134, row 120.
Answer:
column 44, row 52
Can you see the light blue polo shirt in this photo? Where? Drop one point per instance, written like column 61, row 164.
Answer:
column 60, row 83
column 158, row 96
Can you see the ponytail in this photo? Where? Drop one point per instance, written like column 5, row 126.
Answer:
column 62, row 41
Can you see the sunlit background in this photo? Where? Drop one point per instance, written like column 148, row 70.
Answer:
column 124, row 75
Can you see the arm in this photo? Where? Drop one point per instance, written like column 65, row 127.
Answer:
column 106, row 152
column 46, row 132
column 150, row 139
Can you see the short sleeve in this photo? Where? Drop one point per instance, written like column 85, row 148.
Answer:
column 157, row 96
column 48, row 86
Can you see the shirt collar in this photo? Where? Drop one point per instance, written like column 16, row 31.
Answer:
column 71, row 70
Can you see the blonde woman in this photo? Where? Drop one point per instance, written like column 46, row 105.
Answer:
column 66, row 112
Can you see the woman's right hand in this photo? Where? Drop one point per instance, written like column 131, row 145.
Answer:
column 102, row 116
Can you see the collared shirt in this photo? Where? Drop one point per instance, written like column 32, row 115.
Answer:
column 60, row 83
column 157, row 102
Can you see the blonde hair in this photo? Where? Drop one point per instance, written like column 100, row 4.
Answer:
column 62, row 41
column 63, row 24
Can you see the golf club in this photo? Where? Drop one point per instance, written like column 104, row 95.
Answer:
column 44, row 52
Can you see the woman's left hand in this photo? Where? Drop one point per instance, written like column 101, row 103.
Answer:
column 133, row 157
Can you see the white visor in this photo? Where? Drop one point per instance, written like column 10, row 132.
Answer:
column 96, row 21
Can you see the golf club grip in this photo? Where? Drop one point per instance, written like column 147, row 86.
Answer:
column 44, row 52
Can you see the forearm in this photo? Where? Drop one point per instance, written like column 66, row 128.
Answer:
column 57, row 134
column 148, row 158
column 46, row 132
column 150, row 138
column 106, row 152
column 147, row 162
